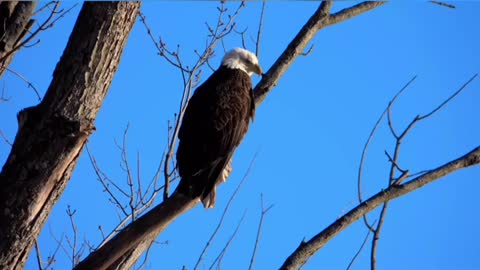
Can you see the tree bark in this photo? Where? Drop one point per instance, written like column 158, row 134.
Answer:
column 51, row 135
column 14, row 24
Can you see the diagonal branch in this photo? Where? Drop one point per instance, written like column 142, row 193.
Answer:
column 320, row 19
column 307, row 249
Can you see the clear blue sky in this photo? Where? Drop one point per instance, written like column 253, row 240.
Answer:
column 308, row 134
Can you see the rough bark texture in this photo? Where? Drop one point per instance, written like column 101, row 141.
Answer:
column 14, row 24
column 51, row 135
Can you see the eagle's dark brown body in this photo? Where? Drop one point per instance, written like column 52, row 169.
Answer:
column 215, row 121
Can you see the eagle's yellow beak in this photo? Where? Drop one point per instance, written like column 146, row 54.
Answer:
column 257, row 69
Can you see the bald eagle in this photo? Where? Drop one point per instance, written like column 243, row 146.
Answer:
column 214, row 123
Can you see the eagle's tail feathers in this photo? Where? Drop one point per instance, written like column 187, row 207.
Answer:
column 208, row 200
column 220, row 172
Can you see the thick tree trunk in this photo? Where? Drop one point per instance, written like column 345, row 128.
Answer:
column 14, row 24
column 51, row 135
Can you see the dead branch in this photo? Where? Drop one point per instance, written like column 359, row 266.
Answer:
column 140, row 232
column 320, row 19
column 443, row 4
column 394, row 167
column 307, row 249
column 367, row 143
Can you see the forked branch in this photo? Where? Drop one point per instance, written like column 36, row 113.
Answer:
column 308, row 248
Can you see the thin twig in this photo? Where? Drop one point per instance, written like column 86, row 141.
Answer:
column 48, row 23
column 29, row 84
column 3, row 97
column 219, row 258
column 39, row 257
column 448, row 99
column 309, row 51
column 260, row 28
column 7, row 141
column 443, row 4
column 73, row 245
column 59, row 242
column 259, row 231
column 101, row 177
column 145, row 257
column 352, row 261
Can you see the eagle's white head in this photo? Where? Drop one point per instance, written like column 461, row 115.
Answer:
column 242, row 59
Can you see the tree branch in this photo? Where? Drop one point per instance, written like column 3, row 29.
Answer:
column 320, row 19
column 307, row 249
column 138, row 233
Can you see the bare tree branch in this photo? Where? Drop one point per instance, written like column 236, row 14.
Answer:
column 394, row 167
column 38, row 255
column 320, row 19
column 448, row 99
column 260, row 28
column 443, row 4
column 367, row 143
column 353, row 11
column 140, row 232
column 307, row 249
